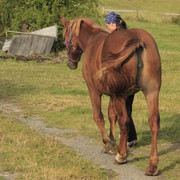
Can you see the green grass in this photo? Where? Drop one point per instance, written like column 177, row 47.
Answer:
column 152, row 5
column 61, row 97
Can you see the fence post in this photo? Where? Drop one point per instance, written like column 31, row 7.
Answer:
column 137, row 18
column 102, row 10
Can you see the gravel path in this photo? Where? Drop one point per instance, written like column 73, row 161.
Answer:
column 82, row 145
column 7, row 176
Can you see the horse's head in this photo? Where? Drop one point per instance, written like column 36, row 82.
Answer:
column 73, row 48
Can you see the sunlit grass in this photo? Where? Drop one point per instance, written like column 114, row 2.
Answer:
column 157, row 6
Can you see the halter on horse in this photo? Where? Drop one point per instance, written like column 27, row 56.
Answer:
column 70, row 45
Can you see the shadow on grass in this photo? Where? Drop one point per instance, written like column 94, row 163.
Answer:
column 169, row 131
column 169, row 137
column 170, row 166
column 9, row 88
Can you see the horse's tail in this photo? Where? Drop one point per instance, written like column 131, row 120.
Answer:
column 111, row 79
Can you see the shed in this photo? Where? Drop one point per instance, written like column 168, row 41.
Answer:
column 37, row 42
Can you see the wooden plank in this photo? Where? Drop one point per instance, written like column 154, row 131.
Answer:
column 117, row 10
column 171, row 14
column 29, row 44
column 26, row 33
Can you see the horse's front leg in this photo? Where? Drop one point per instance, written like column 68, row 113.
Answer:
column 123, row 121
column 98, row 115
column 112, row 119
column 112, row 146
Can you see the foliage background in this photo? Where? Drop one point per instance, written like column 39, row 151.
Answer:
column 38, row 14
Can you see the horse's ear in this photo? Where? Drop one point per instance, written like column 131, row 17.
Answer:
column 64, row 22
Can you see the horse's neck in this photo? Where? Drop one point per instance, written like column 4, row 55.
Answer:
column 84, row 37
column 87, row 35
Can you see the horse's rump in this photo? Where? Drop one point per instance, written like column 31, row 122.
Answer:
column 119, row 47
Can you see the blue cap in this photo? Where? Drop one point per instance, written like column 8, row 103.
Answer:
column 112, row 18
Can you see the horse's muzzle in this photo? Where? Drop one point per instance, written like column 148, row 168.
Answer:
column 72, row 65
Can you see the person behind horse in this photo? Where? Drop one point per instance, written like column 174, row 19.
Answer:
column 115, row 22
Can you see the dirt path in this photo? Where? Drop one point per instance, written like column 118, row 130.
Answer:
column 82, row 145
column 7, row 176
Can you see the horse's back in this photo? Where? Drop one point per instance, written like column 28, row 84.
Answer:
column 116, row 43
column 120, row 40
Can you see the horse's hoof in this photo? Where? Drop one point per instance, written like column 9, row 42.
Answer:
column 151, row 171
column 110, row 148
column 120, row 159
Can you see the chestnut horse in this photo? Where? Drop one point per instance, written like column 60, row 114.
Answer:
column 117, row 64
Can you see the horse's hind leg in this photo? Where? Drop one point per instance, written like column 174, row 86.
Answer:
column 154, row 123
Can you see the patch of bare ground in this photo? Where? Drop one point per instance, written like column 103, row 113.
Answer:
column 59, row 58
column 7, row 176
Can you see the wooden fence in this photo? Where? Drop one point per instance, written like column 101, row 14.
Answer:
column 135, row 11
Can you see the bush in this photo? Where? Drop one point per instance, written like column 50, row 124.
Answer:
column 176, row 20
column 38, row 14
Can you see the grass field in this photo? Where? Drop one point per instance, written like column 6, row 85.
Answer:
column 148, row 11
column 60, row 96
column 158, row 6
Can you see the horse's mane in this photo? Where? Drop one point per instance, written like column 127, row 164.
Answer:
column 75, row 26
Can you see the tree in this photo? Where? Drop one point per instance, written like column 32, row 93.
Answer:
column 37, row 14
